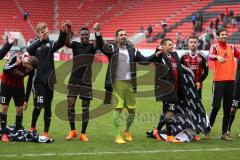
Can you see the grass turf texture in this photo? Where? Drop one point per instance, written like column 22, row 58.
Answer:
column 100, row 132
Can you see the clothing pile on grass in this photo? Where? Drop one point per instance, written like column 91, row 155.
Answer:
column 23, row 135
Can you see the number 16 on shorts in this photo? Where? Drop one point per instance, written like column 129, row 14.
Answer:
column 39, row 99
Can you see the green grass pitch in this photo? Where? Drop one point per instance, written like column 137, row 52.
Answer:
column 100, row 131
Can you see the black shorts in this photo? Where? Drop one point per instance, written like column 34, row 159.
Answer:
column 7, row 93
column 84, row 92
column 42, row 94
column 222, row 91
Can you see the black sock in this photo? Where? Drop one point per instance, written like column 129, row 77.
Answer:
column 71, row 112
column 161, row 122
column 18, row 122
column 3, row 122
column 47, row 118
column 35, row 115
column 168, row 126
column 85, row 115
column 71, row 118
column 232, row 117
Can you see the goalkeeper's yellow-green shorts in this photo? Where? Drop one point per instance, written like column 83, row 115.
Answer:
column 124, row 96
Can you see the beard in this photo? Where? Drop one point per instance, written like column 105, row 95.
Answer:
column 123, row 42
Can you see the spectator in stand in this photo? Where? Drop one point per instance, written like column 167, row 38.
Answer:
column 207, row 40
column 216, row 23
column 196, row 27
column 226, row 13
column 25, row 15
column 193, row 19
column 178, row 40
column 225, row 21
column 199, row 19
column 222, row 15
column 231, row 14
column 233, row 22
column 184, row 42
column 150, row 30
column 211, row 36
column 160, row 35
column 211, row 24
column 164, row 26
column 201, row 22
column 200, row 47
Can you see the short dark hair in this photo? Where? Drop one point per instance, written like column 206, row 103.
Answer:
column 84, row 29
column 193, row 37
column 119, row 30
column 221, row 30
column 164, row 40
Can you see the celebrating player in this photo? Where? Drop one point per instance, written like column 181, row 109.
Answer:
column 44, row 80
column 80, row 81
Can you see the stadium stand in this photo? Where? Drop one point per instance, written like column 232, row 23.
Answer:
column 115, row 14
column 210, row 10
column 12, row 20
column 144, row 14
column 39, row 11
column 176, row 20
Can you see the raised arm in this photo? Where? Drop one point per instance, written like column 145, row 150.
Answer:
column 141, row 59
column 100, row 44
column 66, row 27
column 68, row 40
column 152, row 58
column 60, row 42
column 6, row 48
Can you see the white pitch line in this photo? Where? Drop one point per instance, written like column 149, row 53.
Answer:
column 123, row 152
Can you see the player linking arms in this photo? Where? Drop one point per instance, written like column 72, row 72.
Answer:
column 43, row 84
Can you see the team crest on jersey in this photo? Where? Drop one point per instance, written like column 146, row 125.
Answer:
column 225, row 55
column 199, row 59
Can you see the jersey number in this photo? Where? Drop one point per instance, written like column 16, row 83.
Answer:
column 39, row 99
column 3, row 99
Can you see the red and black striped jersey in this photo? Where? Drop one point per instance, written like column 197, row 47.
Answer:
column 13, row 73
column 198, row 64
